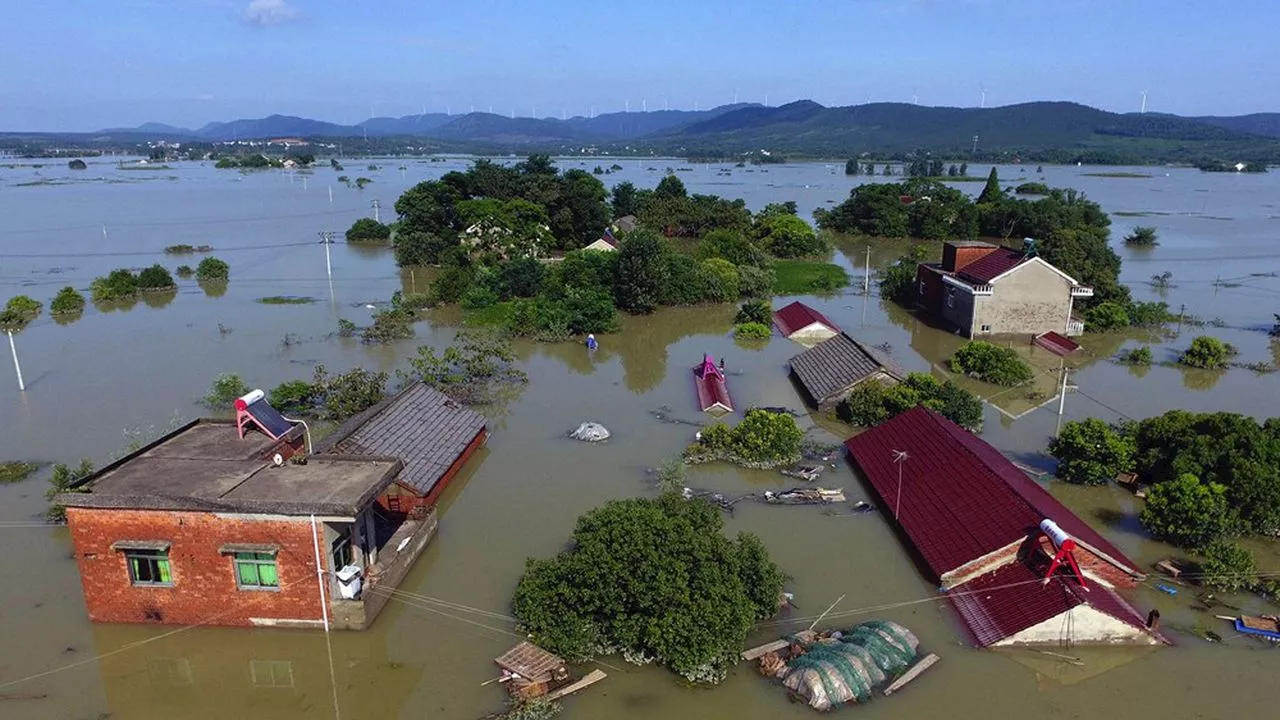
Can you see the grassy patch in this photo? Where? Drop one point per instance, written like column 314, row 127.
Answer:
column 1117, row 175
column 495, row 316
column 286, row 300
column 801, row 277
column 12, row 472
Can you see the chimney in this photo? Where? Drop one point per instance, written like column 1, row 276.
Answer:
column 957, row 254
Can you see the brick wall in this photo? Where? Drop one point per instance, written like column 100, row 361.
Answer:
column 955, row 258
column 204, row 584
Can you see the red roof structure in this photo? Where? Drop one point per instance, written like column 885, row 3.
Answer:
column 988, row 267
column 961, row 499
column 974, row 519
column 1056, row 343
column 713, row 392
column 797, row 316
column 1006, row 602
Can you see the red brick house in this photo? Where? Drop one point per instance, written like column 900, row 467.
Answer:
column 984, row 289
column 213, row 524
column 976, row 523
column 433, row 434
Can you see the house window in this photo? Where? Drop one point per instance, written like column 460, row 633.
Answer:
column 951, row 299
column 986, row 328
column 271, row 673
column 149, row 567
column 341, row 548
column 256, row 571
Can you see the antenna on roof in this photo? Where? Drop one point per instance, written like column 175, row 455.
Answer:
column 900, row 457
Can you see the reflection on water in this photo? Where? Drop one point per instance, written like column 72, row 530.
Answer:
column 520, row 496
column 1194, row 379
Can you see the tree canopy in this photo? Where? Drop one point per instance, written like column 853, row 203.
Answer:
column 991, row 363
column 654, row 579
column 1091, row 452
column 872, row 403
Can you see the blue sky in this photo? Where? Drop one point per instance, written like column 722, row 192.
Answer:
column 88, row 64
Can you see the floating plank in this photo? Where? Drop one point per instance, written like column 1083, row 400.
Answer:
column 767, row 648
column 925, row 663
column 592, row 678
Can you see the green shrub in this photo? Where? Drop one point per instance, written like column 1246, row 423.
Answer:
column 389, row 325
column 117, row 285
column 224, row 391
column 453, row 282
column 292, row 396
column 1137, row 356
column 1106, row 316
column 180, row 249
column 671, row 475
column 68, row 301
column 752, row 331
column 156, row 277
column 478, row 296
column 1207, row 353
column 1091, row 452
column 691, row 607
column 1188, row 512
column 184, row 271
column 716, row 436
column 898, row 281
column 788, row 236
column 991, row 363
column 24, row 306
column 540, row 318
column 1149, row 314
column 766, row 437
column 755, row 311
column 1032, row 188
column 1142, row 237
column 342, row 396
column 62, row 480
column 756, row 282
column 873, row 402
column 721, row 281
column 368, row 230
column 1227, row 567
column 12, row 472
column 211, row 268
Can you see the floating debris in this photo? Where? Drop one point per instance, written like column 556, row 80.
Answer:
column 590, row 432
column 804, row 496
column 808, row 473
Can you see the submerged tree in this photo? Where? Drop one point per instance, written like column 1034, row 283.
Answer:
column 656, row 580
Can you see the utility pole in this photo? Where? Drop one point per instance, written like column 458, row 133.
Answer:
column 866, row 277
column 975, row 145
column 13, row 349
column 326, row 238
column 1062, row 398
column 376, row 208
column 1182, row 311
column 330, row 194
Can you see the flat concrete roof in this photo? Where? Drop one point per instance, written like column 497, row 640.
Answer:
column 205, row 466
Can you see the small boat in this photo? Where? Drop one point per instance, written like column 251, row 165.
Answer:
column 804, row 496
column 713, row 393
column 1266, row 626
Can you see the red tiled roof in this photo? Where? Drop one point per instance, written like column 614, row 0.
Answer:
column 713, row 392
column 797, row 316
column 1005, row 602
column 1056, row 343
column 960, row 498
column 989, row 266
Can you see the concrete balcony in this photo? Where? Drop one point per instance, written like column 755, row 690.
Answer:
column 395, row 557
column 1075, row 327
column 1081, row 291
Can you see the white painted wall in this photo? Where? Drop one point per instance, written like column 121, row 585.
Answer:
column 1082, row 625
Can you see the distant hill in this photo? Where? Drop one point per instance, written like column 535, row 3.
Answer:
column 807, row 127
column 1264, row 124
column 1038, row 131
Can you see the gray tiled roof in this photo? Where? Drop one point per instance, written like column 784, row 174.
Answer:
column 420, row 425
column 838, row 363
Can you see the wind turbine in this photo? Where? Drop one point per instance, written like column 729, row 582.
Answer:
column 983, row 102
column 1144, row 102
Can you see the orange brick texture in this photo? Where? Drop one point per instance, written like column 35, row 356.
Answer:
column 204, row 586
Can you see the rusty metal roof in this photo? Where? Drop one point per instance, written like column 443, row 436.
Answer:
column 421, row 425
column 838, row 363
column 960, row 498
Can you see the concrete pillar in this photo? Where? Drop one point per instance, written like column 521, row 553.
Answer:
column 371, row 536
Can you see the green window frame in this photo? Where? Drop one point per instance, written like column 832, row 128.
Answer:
column 256, row 571
column 149, row 567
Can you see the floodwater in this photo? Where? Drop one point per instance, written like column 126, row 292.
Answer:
column 96, row 382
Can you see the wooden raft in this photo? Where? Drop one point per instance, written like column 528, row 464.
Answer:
column 591, row 678
column 912, row 673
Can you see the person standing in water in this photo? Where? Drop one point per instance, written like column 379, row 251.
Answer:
column 591, row 342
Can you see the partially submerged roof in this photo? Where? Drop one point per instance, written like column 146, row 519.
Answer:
column 985, row 269
column 531, row 662
column 1057, row 343
column 798, row 316
column 838, row 363
column 960, row 498
column 422, row 426
column 205, row 466
column 1001, row 604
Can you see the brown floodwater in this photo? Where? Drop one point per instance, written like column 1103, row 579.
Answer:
column 138, row 369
